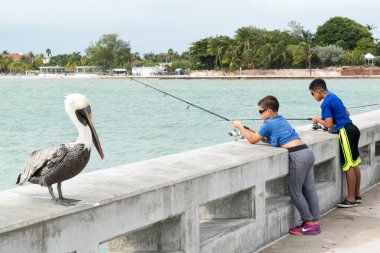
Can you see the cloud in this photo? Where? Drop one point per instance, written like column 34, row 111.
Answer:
column 71, row 25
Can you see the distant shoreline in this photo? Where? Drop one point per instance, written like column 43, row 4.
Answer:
column 183, row 77
column 328, row 73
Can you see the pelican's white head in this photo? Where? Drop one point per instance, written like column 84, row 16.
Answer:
column 78, row 108
column 75, row 102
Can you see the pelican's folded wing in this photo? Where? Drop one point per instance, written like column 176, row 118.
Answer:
column 40, row 159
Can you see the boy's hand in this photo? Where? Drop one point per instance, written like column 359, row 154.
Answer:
column 315, row 119
column 236, row 124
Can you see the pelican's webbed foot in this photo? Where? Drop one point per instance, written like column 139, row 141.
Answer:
column 68, row 200
column 61, row 200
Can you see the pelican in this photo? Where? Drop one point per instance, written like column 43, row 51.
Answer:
column 58, row 163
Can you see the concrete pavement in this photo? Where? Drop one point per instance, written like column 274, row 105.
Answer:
column 344, row 230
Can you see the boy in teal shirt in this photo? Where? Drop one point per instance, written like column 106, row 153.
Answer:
column 277, row 131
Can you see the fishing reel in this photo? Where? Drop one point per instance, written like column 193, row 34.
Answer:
column 236, row 134
column 316, row 126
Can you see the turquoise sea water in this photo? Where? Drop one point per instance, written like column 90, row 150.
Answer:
column 136, row 123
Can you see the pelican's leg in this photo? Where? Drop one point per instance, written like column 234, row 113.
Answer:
column 59, row 190
column 61, row 198
column 52, row 193
column 58, row 201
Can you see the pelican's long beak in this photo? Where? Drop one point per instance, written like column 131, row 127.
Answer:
column 95, row 138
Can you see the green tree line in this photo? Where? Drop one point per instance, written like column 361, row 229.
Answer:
column 339, row 41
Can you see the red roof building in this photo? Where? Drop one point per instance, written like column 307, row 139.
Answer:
column 15, row 57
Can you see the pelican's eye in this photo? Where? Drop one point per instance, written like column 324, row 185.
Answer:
column 87, row 109
column 81, row 116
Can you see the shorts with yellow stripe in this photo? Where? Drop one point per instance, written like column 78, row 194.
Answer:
column 349, row 151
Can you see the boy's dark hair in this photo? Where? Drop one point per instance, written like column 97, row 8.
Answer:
column 269, row 102
column 318, row 84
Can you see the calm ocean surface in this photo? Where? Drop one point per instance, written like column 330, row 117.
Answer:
column 135, row 123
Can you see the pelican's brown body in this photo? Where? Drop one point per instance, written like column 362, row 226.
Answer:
column 55, row 164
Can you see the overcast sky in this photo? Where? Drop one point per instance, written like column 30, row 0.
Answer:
column 67, row 26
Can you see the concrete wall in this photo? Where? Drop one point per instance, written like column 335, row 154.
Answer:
column 334, row 72
column 326, row 72
column 225, row 198
column 360, row 71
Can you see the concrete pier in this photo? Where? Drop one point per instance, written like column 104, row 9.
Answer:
column 344, row 230
column 226, row 198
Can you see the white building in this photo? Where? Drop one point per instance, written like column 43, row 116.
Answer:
column 119, row 72
column 50, row 71
column 87, row 71
column 145, row 71
column 369, row 59
column 163, row 65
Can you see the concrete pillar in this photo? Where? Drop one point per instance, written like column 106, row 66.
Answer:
column 190, row 230
column 374, row 155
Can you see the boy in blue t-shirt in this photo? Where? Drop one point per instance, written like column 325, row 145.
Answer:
column 334, row 113
column 277, row 131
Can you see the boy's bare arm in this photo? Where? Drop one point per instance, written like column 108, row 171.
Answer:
column 347, row 112
column 255, row 138
column 252, row 138
column 327, row 123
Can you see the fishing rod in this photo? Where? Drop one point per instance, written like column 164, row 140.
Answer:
column 193, row 105
column 285, row 118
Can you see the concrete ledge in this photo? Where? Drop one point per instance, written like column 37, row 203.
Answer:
column 224, row 198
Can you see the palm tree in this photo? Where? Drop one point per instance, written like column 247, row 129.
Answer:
column 265, row 53
column 48, row 52
column 351, row 56
column 170, row 54
column 5, row 63
column 371, row 27
column 303, row 55
column 216, row 47
column 248, row 39
column 307, row 36
column 231, row 56
column 245, row 38
column 249, row 58
column 281, row 54
column 30, row 54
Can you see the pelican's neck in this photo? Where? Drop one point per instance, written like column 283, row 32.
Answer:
column 85, row 135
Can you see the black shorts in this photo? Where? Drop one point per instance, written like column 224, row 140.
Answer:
column 349, row 151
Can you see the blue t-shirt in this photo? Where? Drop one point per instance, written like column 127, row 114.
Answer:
column 332, row 107
column 278, row 131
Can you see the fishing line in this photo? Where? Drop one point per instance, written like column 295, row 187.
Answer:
column 300, row 119
column 187, row 102
column 362, row 106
